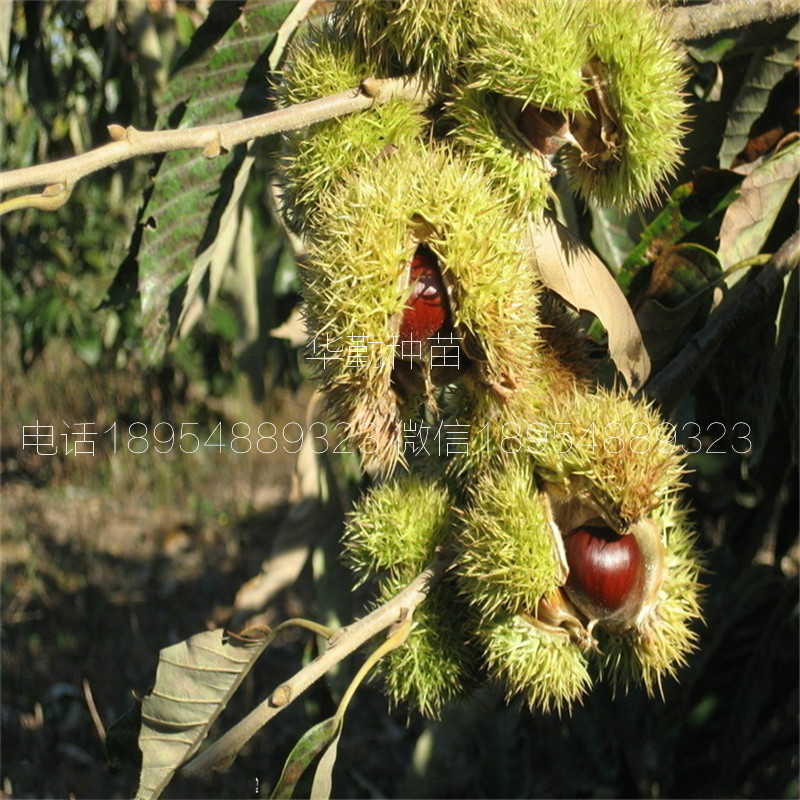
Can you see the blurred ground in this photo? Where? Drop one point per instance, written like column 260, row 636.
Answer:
column 108, row 558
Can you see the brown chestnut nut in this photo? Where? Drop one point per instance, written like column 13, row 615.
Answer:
column 606, row 572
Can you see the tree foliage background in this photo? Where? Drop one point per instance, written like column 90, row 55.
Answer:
column 153, row 296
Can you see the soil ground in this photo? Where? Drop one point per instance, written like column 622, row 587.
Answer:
column 108, row 558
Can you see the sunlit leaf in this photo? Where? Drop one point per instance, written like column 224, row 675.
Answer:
column 750, row 218
column 194, row 682
column 691, row 204
column 194, row 198
column 577, row 275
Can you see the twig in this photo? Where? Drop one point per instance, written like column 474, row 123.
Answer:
column 342, row 644
column 98, row 723
column 691, row 22
column 212, row 139
column 685, row 369
column 697, row 22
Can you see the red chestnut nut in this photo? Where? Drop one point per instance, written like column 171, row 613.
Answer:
column 547, row 131
column 426, row 310
column 606, row 571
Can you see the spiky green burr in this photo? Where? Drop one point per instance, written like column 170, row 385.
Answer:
column 598, row 82
column 357, row 285
column 615, row 448
column 317, row 159
column 394, row 532
column 546, row 668
column 397, row 527
column 427, row 38
column 439, row 662
column 637, row 69
column 508, row 555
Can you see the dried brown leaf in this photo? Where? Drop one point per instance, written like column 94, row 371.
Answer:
column 577, row 275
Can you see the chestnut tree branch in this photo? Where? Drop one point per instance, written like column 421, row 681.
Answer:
column 697, row 22
column 685, row 369
column 59, row 176
column 341, row 645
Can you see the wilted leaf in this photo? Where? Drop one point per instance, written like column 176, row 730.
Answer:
column 577, row 275
column 315, row 509
column 323, row 778
column 310, row 745
column 750, row 218
column 194, row 681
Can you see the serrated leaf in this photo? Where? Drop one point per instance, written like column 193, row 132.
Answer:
column 577, row 275
column 194, row 682
column 750, row 218
column 193, row 198
column 767, row 66
column 209, row 267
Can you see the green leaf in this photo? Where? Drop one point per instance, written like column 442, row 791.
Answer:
column 194, row 199
column 677, row 299
column 610, row 235
column 194, row 682
column 750, row 218
column 691, row 204
column 767, row 66
column 310, row 745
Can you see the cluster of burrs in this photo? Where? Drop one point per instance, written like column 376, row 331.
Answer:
column 465, row 388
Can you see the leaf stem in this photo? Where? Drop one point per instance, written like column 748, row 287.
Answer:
column 342, row 644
